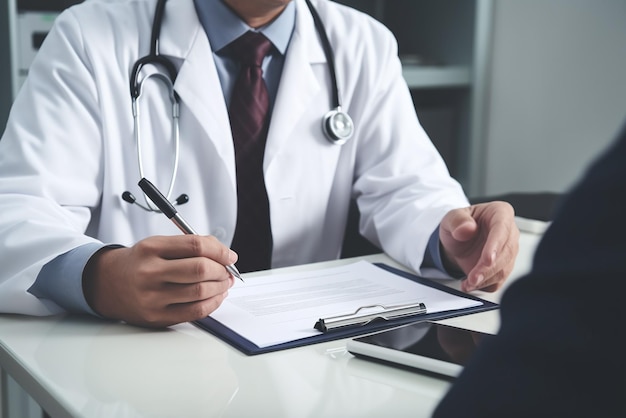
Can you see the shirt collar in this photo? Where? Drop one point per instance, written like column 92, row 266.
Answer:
column 223, row 26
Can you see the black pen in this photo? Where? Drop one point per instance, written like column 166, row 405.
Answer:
column 168, row 210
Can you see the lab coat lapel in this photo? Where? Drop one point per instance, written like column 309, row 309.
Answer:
column 198, row 84
column 298, row 84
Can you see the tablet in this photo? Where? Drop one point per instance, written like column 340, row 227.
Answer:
column 425, row 346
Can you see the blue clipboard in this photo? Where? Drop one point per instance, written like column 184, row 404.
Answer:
column 247, row 347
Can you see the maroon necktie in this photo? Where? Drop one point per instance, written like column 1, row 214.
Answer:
column 249, row 121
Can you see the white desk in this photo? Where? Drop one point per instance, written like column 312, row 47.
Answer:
column 83, row 367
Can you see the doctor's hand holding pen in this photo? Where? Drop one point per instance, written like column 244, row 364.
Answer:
column 160, row 281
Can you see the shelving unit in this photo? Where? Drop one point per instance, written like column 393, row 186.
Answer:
column 23, row 26
column 444, row 49
column 420, row 77
column 7, row 21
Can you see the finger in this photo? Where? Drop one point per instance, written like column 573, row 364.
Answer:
column 482, row 271
column 487, row 283
column 177, row 313
column 187, row 271
column 460, row 224
column 186, row 312
column 194, row 292
column 503, row 235
column 188, row 246
column 493, row 267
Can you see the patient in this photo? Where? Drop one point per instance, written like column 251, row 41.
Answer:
column 560, row 351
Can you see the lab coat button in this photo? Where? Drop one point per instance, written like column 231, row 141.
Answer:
column 219, row 233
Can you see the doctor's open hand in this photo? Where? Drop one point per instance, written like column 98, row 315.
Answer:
column 482, row 241
column 160, row 281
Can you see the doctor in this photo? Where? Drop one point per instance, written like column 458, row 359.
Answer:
column 69, row 242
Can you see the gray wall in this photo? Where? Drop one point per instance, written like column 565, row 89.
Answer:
column 557, row 90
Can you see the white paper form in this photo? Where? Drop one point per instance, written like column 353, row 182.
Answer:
column 274, row 309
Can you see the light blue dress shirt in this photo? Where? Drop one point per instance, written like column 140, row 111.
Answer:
column 223, row 26
column 60, row 280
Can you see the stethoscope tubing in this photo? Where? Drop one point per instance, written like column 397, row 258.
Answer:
column 175, row 131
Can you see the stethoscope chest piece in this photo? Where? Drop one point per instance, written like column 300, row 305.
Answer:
column 338, row 126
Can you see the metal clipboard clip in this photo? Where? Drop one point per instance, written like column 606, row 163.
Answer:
column 359, row 319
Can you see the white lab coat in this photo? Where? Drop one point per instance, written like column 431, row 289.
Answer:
column 68, row 151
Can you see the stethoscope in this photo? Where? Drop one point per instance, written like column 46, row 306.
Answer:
column 337, row 125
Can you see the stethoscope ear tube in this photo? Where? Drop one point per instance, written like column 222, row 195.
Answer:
column 154, row 57
column 175, row 132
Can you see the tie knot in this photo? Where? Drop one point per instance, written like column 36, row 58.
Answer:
column 250, row 48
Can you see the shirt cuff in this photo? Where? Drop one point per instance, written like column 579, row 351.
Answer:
column 432, row 256
column 61, row 280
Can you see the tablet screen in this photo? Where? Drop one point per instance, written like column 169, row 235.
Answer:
column 430, row 346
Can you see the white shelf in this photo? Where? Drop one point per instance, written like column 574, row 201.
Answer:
column 418, row 76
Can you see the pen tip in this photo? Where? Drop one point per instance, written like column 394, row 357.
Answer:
column 234, row 272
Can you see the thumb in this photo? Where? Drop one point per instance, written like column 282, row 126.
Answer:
column 459, row 224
